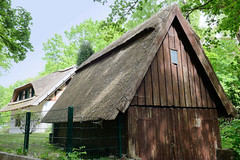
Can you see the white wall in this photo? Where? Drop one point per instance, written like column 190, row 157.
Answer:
column 42, row 109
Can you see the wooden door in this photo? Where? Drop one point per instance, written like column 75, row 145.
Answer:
column 177, row 133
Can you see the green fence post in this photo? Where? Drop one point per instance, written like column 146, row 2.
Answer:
column 119, row 136
column 69, row 130
column 27, row 131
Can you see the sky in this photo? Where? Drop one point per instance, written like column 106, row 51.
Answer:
column 50, row 17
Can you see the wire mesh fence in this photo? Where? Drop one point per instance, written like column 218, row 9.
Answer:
column 9, row 130
column 51, row 138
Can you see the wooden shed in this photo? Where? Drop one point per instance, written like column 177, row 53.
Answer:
column 158, row 76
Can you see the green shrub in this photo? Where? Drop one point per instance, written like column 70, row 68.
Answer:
column 230, row 134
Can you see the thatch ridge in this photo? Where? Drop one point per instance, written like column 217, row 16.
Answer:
column 43, row 87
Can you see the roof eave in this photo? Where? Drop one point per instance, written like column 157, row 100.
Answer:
column 54, row 88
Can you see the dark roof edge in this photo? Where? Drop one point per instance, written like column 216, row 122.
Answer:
column 194, row 40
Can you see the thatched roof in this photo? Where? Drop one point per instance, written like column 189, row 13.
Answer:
column 43, row 87
column 106, row 83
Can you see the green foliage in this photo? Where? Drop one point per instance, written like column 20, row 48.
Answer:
column 4, row 122
column 222, row 15
column 225, row 59
column 6, row 96
column 133, row 12
column 61, row 54
column 14, row 34
column 85, row 51
column 58, row 55
column 77, row 153
column 12, row 143
column 20, row 151
column 230, row 134
column 234, row 85
column 20, row 117
column 143, row 10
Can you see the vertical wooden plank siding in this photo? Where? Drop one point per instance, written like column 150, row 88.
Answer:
column 155, row 82
column 148, row 88
column 216, row 128
column 192, row 82
column 141, row 94
column 185, row 76
column 186, row 139
column 203, row 93
column 169, row 146
column 168, row 72
column 209, row 100
column 162, row 135
column 179, row 70
column 198, row 89
column 169, row 84
column 135, row 100
column 174, row 68
column 161, row 75
column 172, row 133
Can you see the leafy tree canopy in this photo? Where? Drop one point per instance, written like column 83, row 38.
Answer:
column 225, row 59
column 221, row 14
column 61, row 54
column 85, row 51
column 14, row 34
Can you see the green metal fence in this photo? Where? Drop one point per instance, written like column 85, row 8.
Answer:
column 88, row 137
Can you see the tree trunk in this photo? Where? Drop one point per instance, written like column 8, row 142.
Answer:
column 238, row 35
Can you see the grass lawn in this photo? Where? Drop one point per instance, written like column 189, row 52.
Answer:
column 38, row 145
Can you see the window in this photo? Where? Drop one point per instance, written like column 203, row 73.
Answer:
column 25, row 94
column 20, row 95
column 33, row 93
column 174, row 56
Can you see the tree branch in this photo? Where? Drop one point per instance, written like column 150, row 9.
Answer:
column 196, row 8
column 237, row 47
column 132, row 7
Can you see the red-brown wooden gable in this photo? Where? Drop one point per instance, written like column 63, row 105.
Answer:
column 169, row 84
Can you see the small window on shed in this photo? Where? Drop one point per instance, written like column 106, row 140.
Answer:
column 174, row 56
